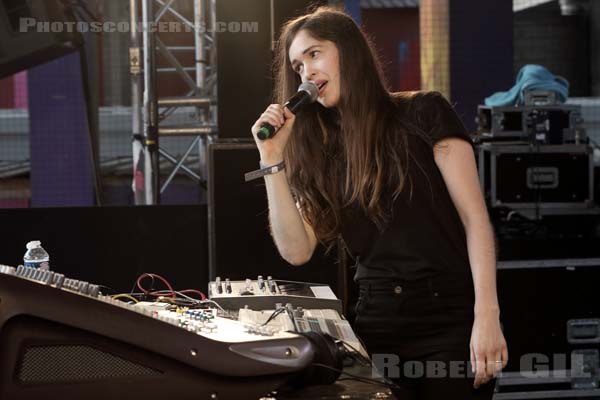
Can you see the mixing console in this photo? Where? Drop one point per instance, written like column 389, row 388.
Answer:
column 41, row 309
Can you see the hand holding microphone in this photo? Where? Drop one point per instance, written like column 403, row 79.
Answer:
column 307, row 93
column 278, row 120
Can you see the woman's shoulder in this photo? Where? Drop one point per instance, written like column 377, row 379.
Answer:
column 433, row 113
column 417, row 98
column 417, row 107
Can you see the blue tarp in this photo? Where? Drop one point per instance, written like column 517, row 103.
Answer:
column 532, row 77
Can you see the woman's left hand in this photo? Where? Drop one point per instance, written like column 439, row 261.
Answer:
column 487, row 347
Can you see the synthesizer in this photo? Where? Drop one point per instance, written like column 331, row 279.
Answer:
column 265, row 294
column 63, row 338
column 302, row 320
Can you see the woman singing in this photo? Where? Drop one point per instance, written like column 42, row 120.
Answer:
column 393, row 175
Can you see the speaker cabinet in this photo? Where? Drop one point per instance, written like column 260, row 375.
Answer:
column 245, row 59
column 240, row 245
column 28, row 36
column 536, row 306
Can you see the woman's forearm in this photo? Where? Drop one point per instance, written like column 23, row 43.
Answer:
column 294, row 243
column 482, row 258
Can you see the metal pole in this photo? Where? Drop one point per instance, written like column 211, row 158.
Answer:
column 199, row 14
column 199, row 43
column 138, row 186
column 149, row 110
column 213, row 58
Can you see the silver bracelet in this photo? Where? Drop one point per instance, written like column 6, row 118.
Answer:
column 264, row 170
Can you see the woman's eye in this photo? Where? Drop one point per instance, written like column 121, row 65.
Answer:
column 314, row 53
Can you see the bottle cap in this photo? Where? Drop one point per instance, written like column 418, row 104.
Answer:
column 33, row 244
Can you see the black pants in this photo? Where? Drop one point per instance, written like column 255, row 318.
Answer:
column 418, row 335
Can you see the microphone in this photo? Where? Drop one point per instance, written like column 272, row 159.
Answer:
column 307, row 93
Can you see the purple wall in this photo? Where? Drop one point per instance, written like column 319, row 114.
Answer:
column 61, row 161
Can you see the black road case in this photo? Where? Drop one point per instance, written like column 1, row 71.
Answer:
column 545, row 177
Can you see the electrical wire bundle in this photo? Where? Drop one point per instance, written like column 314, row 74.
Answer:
column 169, row 295
column 281, row 310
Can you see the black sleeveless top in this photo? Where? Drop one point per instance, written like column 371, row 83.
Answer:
column 424, row 235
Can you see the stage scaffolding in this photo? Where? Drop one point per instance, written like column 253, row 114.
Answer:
column 149, row 112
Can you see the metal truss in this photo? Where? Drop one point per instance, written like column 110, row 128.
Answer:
column 150, row 113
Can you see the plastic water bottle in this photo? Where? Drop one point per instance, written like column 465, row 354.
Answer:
column 36, row 256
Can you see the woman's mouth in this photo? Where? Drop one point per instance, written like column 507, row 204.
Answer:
column 322, row 87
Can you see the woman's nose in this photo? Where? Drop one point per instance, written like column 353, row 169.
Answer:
column 309, row 73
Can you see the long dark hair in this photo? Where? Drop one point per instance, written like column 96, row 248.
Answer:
column 356, row 153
